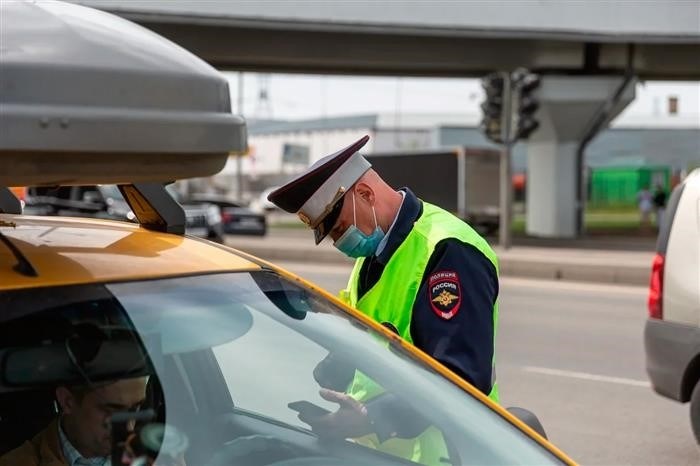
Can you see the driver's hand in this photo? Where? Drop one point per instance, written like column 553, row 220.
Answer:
column 350, row 420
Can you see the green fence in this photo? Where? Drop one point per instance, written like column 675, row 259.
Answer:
column 618, row 186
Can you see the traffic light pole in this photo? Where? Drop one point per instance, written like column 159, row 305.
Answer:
column 508, row 117
column 505, row 198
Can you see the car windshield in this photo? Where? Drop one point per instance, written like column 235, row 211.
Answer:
column 235, row 362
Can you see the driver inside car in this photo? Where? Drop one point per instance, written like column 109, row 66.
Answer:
column 80, row 434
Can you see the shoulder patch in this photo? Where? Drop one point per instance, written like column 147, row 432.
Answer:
column 444, row 294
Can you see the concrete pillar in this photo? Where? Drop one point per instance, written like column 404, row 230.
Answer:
column 568, row 107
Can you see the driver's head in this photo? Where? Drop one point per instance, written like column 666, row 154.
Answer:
column 86, row 412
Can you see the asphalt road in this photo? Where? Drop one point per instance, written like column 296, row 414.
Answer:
column 573, row 354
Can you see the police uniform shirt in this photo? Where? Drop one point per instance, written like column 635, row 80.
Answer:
column 463, row 343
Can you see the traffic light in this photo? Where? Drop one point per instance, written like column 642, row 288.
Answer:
column 492, row 107
column 526, row 104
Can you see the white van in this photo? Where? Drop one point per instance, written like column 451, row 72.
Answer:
column 672, row 332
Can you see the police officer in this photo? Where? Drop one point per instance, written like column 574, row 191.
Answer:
column 420, row 271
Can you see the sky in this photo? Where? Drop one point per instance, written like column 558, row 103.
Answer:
column 297, row 96
column 309, row 96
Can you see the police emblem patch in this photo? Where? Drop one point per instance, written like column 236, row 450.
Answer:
column 444, row 294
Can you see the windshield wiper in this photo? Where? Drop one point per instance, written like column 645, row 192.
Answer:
column 23, row 265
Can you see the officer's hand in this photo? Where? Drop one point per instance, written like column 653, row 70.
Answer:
column 334, row 372
column 350, row 420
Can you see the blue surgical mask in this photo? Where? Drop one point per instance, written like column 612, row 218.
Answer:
column 354, row 243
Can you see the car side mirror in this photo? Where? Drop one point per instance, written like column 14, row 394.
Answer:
column 528, row 418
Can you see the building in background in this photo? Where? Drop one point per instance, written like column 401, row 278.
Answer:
column 658, row 129
column 619, row 186
column 279, row 149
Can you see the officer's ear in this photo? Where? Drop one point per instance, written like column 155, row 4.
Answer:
column 365, row 192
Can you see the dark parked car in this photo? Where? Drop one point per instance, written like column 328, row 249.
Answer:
column 203, row 219
column 236, row 218
column 106, row 202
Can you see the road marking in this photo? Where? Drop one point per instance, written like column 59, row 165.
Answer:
column 586, row 376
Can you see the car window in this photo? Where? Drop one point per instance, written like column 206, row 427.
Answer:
column 228, row 357
column 173, row 192
column 60, row 192
column 111, row 191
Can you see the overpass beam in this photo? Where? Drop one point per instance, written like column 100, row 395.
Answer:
column 568, row 107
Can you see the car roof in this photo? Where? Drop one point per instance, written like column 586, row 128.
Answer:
column 66, row 251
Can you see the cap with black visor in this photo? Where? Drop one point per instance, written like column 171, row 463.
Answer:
column 317, row 195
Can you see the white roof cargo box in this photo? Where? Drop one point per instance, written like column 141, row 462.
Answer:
column 88, row 98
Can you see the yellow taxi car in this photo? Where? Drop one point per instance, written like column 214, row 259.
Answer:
column 136, row 344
